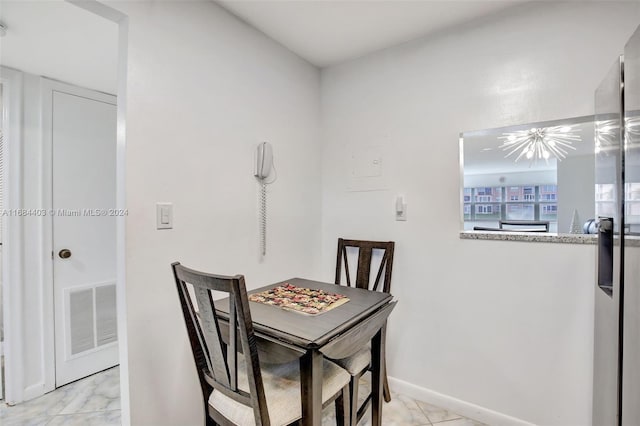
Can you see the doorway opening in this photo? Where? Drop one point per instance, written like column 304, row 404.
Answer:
column 63, row 306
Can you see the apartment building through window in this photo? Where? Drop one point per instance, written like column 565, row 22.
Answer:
column 484, row 206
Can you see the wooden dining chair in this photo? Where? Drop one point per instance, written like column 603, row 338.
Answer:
column 359, row 363
column 236, row 388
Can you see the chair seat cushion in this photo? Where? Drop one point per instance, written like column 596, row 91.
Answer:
column 282, row 391
column 356, row 363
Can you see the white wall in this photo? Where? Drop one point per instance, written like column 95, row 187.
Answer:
column 576, row 190
column 203, row 90
column 503, row 325
column 516, row 178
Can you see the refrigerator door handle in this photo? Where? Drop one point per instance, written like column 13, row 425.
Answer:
column 605, row 255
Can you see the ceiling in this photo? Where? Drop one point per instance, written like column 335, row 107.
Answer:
column 59, row 40
column 62, row 41
column 326, row 32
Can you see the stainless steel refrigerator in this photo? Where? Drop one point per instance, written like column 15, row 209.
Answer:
column 616, row 379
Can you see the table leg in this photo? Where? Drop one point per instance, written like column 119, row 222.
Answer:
column 386, row 393
column 377, row 361
column 311, row 387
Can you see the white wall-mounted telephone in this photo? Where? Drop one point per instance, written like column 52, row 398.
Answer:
column 264, row 160
column 263, row 165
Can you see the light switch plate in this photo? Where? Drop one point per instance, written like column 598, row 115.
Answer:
column 164, row 215
column 401, row 208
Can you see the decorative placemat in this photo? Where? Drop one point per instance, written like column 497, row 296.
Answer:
column 299, row 299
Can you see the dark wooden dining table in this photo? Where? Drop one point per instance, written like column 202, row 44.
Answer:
column 285, row 335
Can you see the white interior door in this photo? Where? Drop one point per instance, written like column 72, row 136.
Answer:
column 84, row 232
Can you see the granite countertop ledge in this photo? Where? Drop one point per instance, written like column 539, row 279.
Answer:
column 531, row 237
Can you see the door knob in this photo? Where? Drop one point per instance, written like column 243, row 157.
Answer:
column 64, row 253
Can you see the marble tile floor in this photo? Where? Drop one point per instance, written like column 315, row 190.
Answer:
column 95, row 401
column 92, row 401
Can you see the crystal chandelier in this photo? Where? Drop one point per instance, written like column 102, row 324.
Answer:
column 540, row 143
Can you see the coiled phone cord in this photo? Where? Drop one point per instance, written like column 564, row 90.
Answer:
column 263, row 217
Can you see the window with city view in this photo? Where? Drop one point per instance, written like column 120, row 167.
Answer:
column 485, row 206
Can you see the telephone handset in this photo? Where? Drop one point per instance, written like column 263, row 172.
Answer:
column 264, row 160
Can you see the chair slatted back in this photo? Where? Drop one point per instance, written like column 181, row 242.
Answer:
column 365, row 254
column 217, row 360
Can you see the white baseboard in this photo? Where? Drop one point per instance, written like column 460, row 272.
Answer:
column 455, row 405
column 33, row 391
